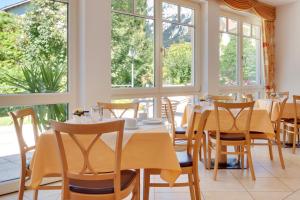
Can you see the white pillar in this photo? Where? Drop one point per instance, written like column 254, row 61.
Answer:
column 94, row 52
column 210, row 71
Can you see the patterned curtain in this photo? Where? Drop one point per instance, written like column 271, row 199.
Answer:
column 269, row 54
column 268, row 15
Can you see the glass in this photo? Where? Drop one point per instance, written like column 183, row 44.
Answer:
column 247, row 29
column 122, row 5
column 145, row 7
column 146, row 105
column 186, row 16
column 232, row 26
column 178, row 55
column 256, row 33
column 228, row 60
column 170, row 12
column 34, row 48
column 223, row 24
column 251, row 62
column 132, row 52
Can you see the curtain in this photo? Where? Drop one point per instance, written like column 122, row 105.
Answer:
column 268, row 15
column 269, row 54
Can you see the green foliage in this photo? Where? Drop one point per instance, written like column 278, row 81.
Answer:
column 38, row 62
column 132, row 45
column 228, row 61
column 177, row 64
column 9, row 55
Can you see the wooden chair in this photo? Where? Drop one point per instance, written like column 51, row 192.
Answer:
column 188, row 160
column 238, row 137
column 177, row 133
column 123, row 107
column 18, row 120
column 276, row 123
column 88, row 183
column 291, row 126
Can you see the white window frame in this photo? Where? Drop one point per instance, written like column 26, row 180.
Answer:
column 158, row 91
column 240, row 89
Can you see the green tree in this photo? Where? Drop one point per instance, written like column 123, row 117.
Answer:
column 177, row 64
column 9, row 54
column 42, row 64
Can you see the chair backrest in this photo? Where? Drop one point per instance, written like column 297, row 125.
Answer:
column 18, row 120
column 280, row 102
column 87, row 172
column 296, row 101
column 123, row 107
column 222, row 98
column 197, row 123
column 169, row 114
column 234, row 111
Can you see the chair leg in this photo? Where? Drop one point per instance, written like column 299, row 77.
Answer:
column 146, row 184
column 250, row 160
column 204, row 150
column 209, row 155
column 200, row 153
column 191, row 186
column 218, row 150
column 284, row 134
column 280, row 153
column 270, row 149
column 197, row 185
column 242, row 156
column 294, row 142
column 36, row 194
column 136, row 194
column 22, row 186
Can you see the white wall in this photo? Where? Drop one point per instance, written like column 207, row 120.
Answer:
column 288, row 48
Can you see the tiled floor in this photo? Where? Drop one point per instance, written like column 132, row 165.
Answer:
column 272, row 182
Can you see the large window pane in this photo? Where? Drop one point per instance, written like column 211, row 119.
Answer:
column 33, row 53
column 170, row 12
column 251, row 61
column 228, row 60
column 186, row 16
column 145, row 7
column 177, row 55
column 132, row 51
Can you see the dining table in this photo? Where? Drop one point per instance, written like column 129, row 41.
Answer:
column 260, row 122
column 287, row 114
column 145, row 147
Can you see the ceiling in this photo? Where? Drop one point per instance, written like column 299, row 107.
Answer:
column 278, row 2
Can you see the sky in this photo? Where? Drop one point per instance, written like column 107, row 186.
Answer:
column 4, row 3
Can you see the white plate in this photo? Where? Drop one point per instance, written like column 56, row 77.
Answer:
column 131, row 128
column 152, row 121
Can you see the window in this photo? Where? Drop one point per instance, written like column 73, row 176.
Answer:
column 240, row 54
column 34, row 58
column 153, row 48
